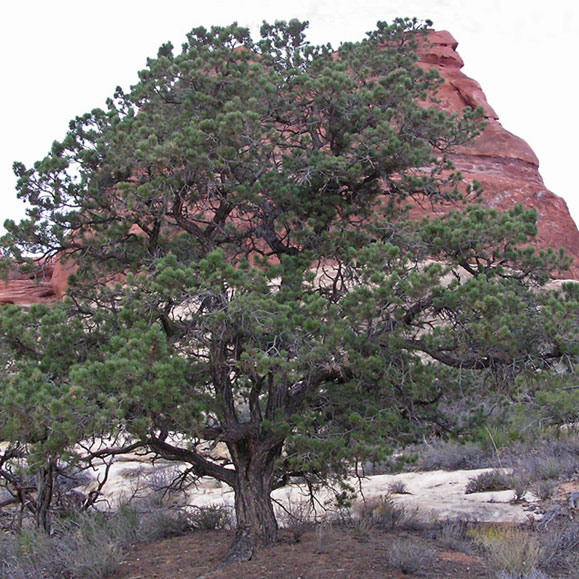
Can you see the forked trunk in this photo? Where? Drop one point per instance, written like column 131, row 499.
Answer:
column 256, row 522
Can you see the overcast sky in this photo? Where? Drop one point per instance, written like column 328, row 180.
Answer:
column 61, row 58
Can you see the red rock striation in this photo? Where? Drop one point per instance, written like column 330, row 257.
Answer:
column 27, row 289
column 504, row 164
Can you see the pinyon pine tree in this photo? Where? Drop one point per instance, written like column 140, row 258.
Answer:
column 246, row 274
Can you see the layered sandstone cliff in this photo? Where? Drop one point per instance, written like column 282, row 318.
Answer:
column 27, row 289
column 504, row 164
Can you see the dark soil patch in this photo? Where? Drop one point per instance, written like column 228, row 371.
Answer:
column 322, row 553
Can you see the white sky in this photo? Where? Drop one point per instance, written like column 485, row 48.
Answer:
column 61, row 58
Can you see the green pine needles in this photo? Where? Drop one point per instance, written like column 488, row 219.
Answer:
column 246, row 273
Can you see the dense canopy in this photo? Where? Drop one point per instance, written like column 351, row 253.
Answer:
column 246, row 272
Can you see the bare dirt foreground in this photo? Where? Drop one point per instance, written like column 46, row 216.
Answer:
column 321, row 553
column 334, row 550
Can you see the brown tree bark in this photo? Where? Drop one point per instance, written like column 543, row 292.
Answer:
column 254, row 462
column 45, row 482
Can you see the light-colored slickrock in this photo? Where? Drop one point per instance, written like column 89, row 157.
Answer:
column 434, row 495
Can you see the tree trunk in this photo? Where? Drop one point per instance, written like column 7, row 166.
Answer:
column 256, row 522
column 45, row 481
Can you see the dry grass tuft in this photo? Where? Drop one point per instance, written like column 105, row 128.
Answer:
column 410, row 556
column 508, row 549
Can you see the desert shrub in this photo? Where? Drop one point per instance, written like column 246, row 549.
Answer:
column 27, row 554
column 402, row 461
column 531, row 574
column 491, row 480
column 323, row 536
column 398, row 487
column 409, row 555
column 11, row 564
column 87, row 553
column 549, row 459
column 380, row 513
column 122, row 524
column 164, row 486
column 543, row 467
column 520, row 485
column 508, row 549
column 86, row 545
column 341, row 516
column 443, row 455
column 560, row 546
column 154, row 511
column 211, row 517
column 493, row 438
column 376, row 468
column 90, row 550
column 297, row 516
column 454, row 534
column 162, row 523
column 384, row 514
column 544, row 489
column 151, row 517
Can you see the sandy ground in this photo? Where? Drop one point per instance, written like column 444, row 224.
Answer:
column 320, row 554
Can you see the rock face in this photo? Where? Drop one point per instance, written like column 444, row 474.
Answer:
column 25, row 290
column 504, row 164
column 438, row 495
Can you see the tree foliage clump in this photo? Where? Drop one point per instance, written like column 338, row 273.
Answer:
column 246, row 272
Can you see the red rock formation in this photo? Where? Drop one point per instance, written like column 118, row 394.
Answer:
column 25, row 290
column 59, row 281
column 504, row 164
